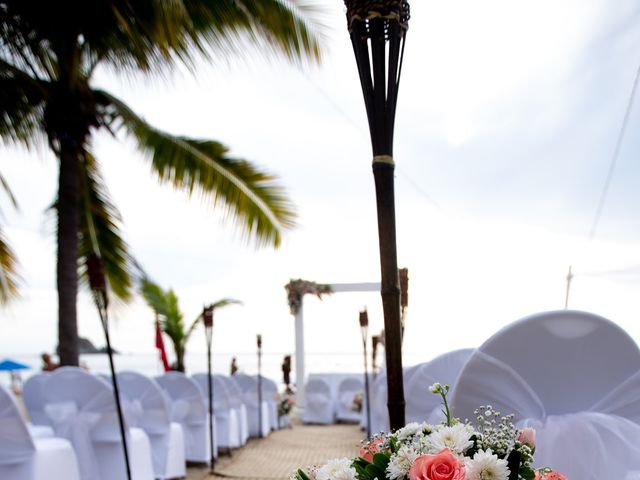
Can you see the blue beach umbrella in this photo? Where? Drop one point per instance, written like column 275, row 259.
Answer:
column 9, row 365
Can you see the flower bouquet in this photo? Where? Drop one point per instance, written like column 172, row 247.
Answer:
column 356, row 405
column 492, row 449
column 285, row 405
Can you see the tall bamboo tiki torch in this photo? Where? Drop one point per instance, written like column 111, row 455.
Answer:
column 98, row 285
column 378, row 29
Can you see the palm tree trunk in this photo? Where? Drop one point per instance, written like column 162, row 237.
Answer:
column 67, row 267
column 180, row 359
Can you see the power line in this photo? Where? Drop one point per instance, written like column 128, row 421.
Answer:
column 614, row 159
column 359, row 129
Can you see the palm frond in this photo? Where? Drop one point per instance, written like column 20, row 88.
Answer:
column 251, row 198
column 22, row 100
column 100, row 229
column 7, row 190
column 154, row 295
column 172, row 323
column 286, row 27
column 165, row 304
column 219, row 304
column 9, row 279
column 225, row 302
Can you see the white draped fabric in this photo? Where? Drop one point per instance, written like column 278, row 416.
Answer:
column 421, row 404
column 23, row 457
column 379, row 411
column 319, row 402
column 82, row 409
column 270, row 395
column 573, row 376
column 148, row 409
column 348, row 388
column 189, row 409
column 227, row 422
column 249, row 388
column 33, row 399
column 237, row 403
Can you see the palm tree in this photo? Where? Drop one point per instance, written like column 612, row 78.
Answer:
column 165, row 305
column 48, row 54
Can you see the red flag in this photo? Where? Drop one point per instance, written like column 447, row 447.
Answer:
column 160, row 346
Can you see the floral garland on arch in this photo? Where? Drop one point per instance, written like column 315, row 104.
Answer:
column 492, row 449
column 296, row 289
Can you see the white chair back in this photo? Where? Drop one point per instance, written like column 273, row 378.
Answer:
column 16, row 445
column 34, row 400
column 319, row 402
column 422, row 405
column 562, row 372
column 145, row 403
column 221, row 396
column 348, row 388
column 187, row 403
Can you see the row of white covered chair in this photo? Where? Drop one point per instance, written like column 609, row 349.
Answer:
column 573, row 376
column 166, row 418
column 330, row 398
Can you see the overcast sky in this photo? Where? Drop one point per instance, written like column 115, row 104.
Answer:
column 507, row 119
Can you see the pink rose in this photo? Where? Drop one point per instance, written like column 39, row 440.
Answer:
column 442, row 466
column 528, row 436
column 549, row 476
column 370, row 449
column 555, row 476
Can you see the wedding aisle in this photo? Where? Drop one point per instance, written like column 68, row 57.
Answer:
column 278, row 455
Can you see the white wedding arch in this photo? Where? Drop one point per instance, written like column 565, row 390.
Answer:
column 296, row 290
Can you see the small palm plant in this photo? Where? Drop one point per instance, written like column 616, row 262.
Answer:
column 165, row 305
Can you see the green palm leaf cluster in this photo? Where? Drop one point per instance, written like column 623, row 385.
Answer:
column 48, row 54
column 165, row 305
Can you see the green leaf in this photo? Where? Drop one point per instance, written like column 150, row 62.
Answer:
column 527, row 473
column 375, row 472
column 250, row 197
column 300, row 475
column 381, row 460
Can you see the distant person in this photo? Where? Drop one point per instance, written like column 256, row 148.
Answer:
column 286, row 373
column 234, row 366
column 48, row 365
column 16, row 382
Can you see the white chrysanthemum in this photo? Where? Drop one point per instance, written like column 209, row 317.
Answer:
column 455, row 438
column 486, row 466
column 408, row 430
column 401, row 461
column 337, row 469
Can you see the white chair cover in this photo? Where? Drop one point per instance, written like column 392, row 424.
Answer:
column 25, row 458
column 249, row 388
column 422, row 405
column 348, row 388
column 189, row 409
column 227, row 424
column 237, row 403
column 319, row 402
column 82, row 409
column 574, row 377
column 379, row 410
column 148, row 409
column 270, row 395
column 33, row 399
